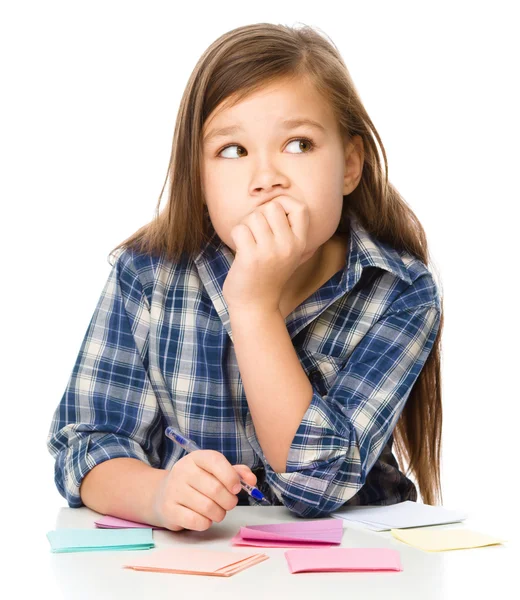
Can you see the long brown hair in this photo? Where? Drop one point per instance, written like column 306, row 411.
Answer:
column 238, row 63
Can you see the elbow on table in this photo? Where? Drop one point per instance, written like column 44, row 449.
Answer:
column 311, row 504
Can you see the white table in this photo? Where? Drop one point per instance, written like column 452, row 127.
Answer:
column 488, row 572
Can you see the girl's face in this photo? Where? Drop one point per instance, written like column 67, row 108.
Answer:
column 263, row 158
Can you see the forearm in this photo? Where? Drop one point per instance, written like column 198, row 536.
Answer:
column 124, row 488
column 277, row 389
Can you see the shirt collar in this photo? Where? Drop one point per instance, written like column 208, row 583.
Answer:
column 364, row 250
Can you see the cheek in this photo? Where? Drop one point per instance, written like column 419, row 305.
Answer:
column 223, row 221
column 225, row 216
column 324, row 219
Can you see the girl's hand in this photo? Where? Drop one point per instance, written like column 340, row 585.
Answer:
column 270, row 245
column 198, row 490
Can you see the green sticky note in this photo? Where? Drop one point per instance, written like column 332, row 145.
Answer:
column 89, row 540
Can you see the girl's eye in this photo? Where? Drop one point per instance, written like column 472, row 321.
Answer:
column 307, row 141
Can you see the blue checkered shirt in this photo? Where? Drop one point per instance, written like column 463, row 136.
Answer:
column 159, row 351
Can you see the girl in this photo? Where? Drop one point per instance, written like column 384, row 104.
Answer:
column 279, row 312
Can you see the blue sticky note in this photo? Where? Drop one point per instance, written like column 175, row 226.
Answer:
column 88, row 540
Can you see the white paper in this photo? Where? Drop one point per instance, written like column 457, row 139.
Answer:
column 398, row 516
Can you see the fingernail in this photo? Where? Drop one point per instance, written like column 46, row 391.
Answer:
column 237, row 488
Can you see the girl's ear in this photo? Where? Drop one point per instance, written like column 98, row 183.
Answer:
column 354, row 159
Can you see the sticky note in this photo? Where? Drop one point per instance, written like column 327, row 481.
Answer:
column 109, row 522
column 88, row 540
column 398, row 516
column 189, row 561
column 299, row 534
column 343, row 559
column 436, row 540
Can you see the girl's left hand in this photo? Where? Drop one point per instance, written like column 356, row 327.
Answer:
column 270, row 245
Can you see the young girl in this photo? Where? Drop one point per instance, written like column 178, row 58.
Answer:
column 279, row 312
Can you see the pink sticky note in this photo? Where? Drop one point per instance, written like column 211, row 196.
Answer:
column 108, row 522
column 238, row 541
column 343, row 559
column 196, row 562
column 304, row 534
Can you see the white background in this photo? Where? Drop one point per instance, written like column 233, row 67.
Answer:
column 89, row 101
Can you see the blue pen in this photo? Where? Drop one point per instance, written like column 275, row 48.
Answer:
column 191, row 446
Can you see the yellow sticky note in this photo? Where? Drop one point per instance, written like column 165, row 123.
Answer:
column 432, row 539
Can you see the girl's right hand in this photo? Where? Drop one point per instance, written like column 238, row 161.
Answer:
column 198, row 490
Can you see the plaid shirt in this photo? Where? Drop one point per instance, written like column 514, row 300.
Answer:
column 159, row 351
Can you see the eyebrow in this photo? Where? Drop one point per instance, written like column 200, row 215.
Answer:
column 287, row 124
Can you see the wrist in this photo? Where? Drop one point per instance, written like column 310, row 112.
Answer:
column 156, row 497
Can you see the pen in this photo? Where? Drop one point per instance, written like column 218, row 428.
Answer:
column 191, row 446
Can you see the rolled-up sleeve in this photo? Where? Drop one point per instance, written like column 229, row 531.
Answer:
column 342, row 434
column 109, row 409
